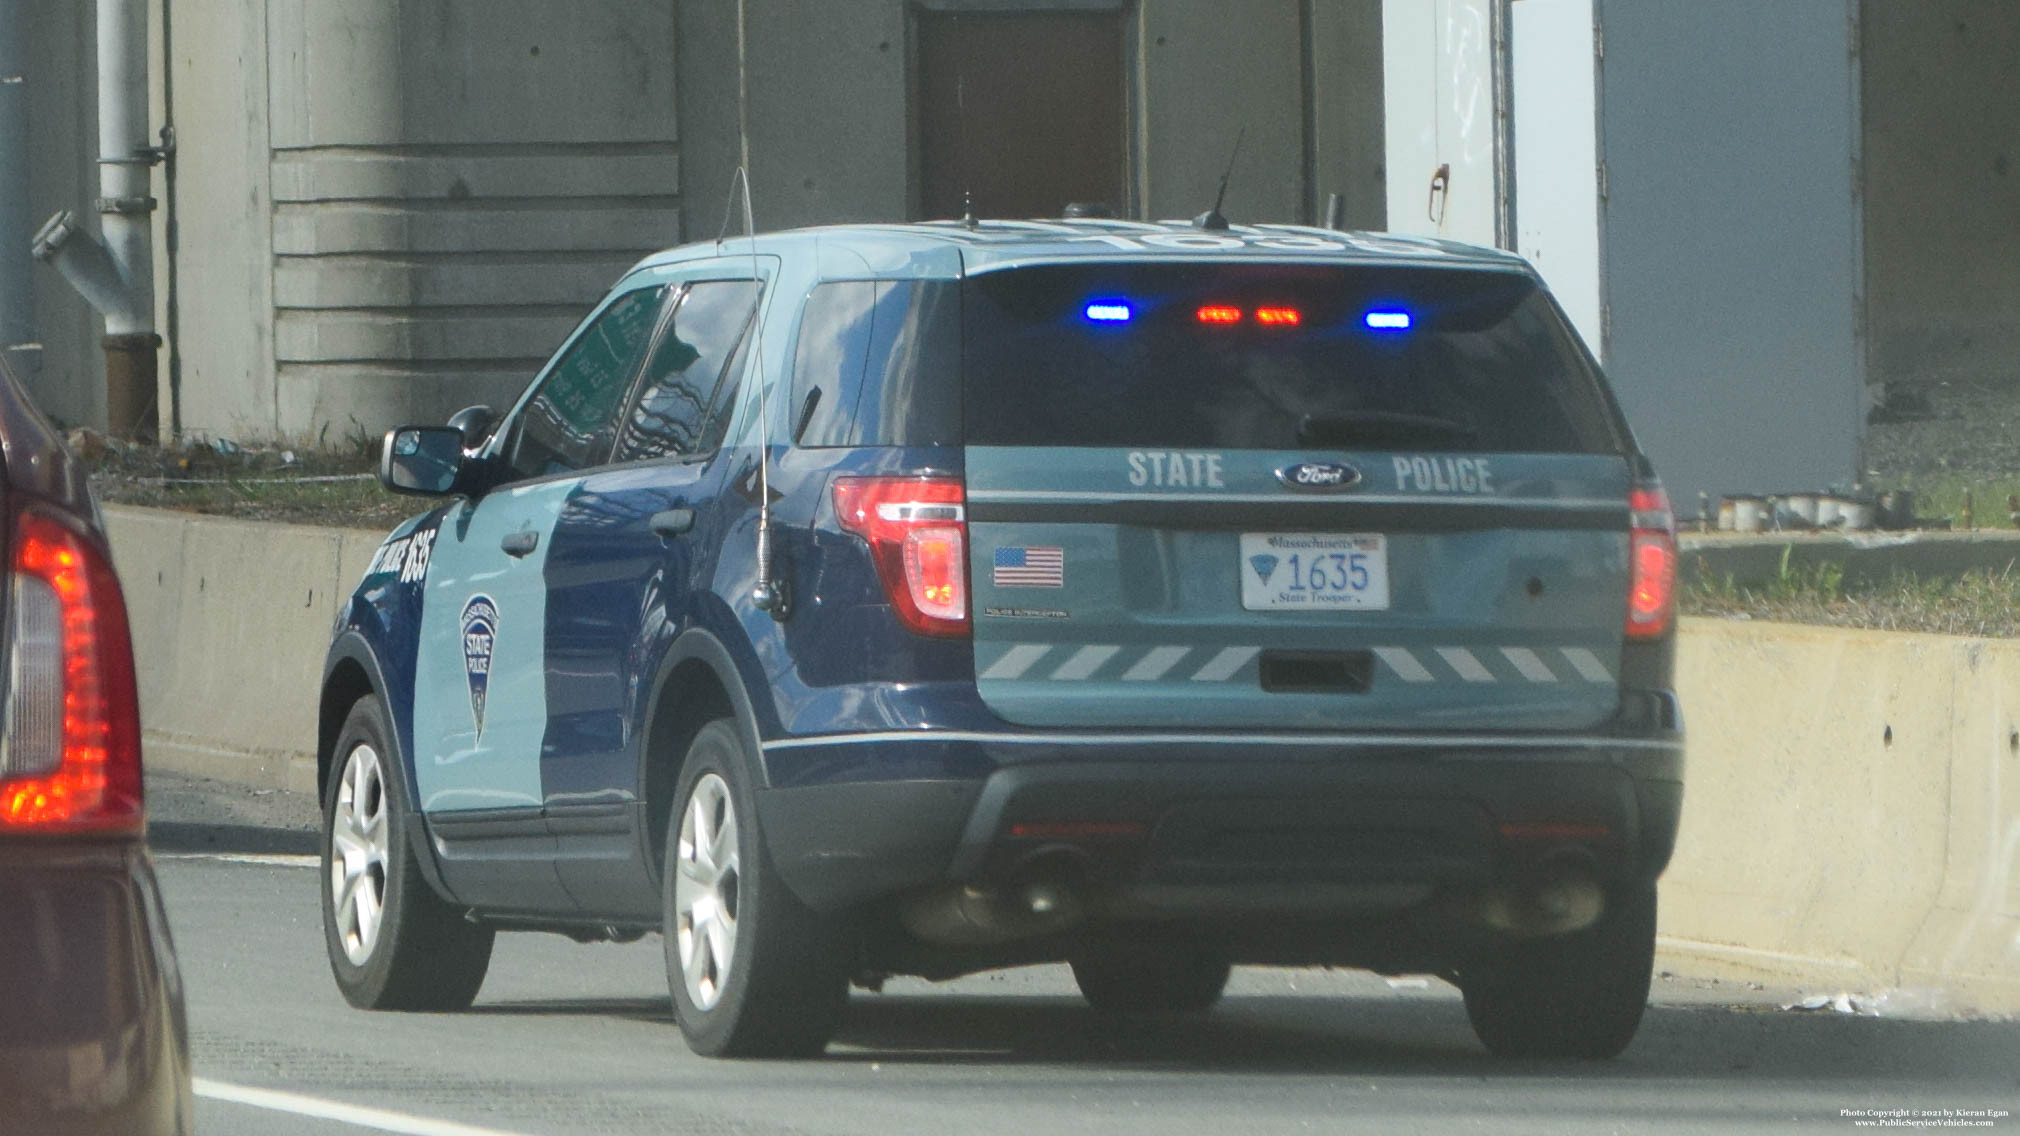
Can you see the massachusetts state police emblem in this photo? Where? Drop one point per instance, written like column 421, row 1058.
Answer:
column 480, row 638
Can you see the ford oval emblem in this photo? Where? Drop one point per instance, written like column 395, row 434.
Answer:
column 1319, row 477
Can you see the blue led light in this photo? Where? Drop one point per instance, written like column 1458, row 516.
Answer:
column 1109, row 311
column 1388, row 320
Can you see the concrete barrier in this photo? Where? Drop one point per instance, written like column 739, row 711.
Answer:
column 230, row 622
column 1851, row 810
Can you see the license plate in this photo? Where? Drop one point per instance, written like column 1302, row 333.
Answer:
column 1314, row 571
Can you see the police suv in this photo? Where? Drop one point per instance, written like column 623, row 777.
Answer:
column 924, row 599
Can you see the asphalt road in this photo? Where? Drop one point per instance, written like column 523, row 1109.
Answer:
column 573, row 1038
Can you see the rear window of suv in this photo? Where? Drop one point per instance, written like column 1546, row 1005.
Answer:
column 1280, row 356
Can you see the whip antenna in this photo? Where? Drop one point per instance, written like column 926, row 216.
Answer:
column 766, row 595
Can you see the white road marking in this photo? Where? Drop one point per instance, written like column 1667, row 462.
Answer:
column 1084, row 662
column 1534, row 669
column 1016, row 661
column 270, row 860
column 1153, row 665
column 1463, row 661
column 1587, row 665
column 1404, row 663
column 1222, row 666
column 376, row 1119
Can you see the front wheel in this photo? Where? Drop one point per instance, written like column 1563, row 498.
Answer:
column 1579, row 995
column 754, row 972
column 393, row 943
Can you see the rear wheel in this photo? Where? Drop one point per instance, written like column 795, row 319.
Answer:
column 393, row 943
column 1150, row 978
column 1578, row 995
column 754, row 972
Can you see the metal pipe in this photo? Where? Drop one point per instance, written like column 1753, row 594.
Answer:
column 124, row 158
column 18, row 339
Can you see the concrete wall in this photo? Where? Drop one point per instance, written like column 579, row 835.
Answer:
column 829, row 112
column 230, row 622
column 453, row 183
column 1851, row 813
column 1942, row 181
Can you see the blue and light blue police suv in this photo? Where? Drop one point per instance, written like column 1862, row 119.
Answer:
column 923, row 599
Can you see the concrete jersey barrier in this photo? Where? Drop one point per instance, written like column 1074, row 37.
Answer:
column 1852, row 806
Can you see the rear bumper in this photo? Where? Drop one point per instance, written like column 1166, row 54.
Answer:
column 1194, row 825
column 86, row 967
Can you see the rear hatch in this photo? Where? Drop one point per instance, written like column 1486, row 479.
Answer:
column 1292, row 496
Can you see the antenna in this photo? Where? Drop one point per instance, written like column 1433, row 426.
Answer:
column 766, row 594
column 961, row 113
column 1212, row 218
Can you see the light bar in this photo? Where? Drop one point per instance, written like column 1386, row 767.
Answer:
column 1219, row 313
column 1278, row 317
column 1388, row 320
column 1108, row 311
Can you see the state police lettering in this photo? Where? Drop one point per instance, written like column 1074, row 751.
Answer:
column 408, row 556
column 1444, row 474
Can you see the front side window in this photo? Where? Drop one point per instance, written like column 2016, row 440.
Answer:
column 684, row 401
column 569, row 421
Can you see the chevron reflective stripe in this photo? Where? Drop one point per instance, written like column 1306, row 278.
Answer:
column 1405, row 664
column 1223, row 666
column 1156, row 664
column 1466, row 663
column 1109, row 662
column 1528, row 664
column 1016, row 661
column 1587, row 665
column 1084, row 662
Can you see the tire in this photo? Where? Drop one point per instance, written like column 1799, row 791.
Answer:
column 1579, row 995
column 1150, row 978
column 754, row 972
column 394, row 944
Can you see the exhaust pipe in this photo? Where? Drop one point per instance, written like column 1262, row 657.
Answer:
column 1043, row 898
column 1561, row 896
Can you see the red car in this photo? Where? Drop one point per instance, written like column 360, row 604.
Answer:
column 92, row 1034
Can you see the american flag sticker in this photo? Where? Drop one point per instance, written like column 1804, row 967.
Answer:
column 1029, row 568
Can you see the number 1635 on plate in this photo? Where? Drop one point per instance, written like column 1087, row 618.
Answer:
column 1314, row 571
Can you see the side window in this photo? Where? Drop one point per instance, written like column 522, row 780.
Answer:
column 568, row 422
column 684, row 375
column 878, row 364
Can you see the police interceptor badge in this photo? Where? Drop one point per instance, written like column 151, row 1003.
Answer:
column 480, row 639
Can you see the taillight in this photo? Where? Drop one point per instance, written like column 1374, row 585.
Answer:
column 1651, row 561
column 918, row 535
column 70, row 755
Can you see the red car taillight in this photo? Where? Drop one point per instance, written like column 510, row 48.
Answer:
column 1651, row 560
column 918, row 535
column 70, row 756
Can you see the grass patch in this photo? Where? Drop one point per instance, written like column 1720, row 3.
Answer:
column 1980, row 603
column 312, row 487
column 1940, row 497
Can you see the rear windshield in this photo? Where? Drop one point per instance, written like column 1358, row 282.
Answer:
column 1276, row 357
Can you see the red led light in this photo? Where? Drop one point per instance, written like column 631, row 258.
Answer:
column 1219, row 313
column 1278, row 317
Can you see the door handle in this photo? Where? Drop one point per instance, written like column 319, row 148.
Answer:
column 520, row 543
column 672, row 522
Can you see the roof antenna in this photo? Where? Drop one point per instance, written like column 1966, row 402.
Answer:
column 1212, row 218
column 766, row 595
column 961, row 111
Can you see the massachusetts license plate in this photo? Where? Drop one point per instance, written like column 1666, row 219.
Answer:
column 1314, row 571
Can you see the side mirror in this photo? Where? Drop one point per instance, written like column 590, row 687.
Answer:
column 475, row 423
column 422, row 460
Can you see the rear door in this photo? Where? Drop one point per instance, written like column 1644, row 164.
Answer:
column 1289, row 496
